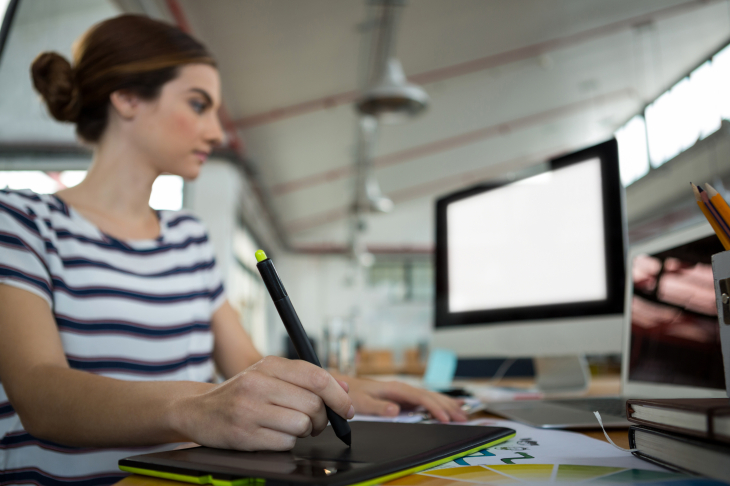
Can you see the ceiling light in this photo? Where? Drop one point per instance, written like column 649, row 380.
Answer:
column 393, row 99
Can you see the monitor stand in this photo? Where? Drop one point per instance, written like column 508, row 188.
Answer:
column 562, row 374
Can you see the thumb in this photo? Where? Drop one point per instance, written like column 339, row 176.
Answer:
column 374, row 406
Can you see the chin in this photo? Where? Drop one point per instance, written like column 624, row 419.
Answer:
column 189, row 172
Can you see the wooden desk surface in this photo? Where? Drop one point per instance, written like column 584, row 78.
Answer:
column 601, row 386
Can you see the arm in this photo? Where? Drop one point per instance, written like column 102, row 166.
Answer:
column 265, row 407
column 233, row 350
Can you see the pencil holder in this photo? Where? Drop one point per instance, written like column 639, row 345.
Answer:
column 721, row 276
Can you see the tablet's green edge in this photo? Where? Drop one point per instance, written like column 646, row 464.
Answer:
column 208, row 479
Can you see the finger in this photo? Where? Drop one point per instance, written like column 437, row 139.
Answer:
column 285, row 420
column 344, row 386
column 443, row 408
column 270, row 440
column 453, row 408
column 435, row 409
column 369, row 405
column 290, row 396
column 450, row 406
column 312, row 378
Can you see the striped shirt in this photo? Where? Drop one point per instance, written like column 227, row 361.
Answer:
column 126, row 309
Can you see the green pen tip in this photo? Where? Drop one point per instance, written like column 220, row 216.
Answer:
column 260, row 255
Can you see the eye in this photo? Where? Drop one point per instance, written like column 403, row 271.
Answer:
column 198, row 106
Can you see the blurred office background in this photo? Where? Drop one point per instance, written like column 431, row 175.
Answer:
column 344, row 204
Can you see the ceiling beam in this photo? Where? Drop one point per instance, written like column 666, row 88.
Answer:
column 440, row 185
column 468, row 67
column 450, row 143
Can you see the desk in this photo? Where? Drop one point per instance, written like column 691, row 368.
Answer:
column 601, row 386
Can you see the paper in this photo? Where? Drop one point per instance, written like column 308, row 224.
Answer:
column 471, row 405
column 545, row 456
column 403, row 417
column 541, row 446
column 504, row 394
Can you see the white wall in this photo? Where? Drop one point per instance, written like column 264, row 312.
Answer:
column 215, row 197
column 323, row 288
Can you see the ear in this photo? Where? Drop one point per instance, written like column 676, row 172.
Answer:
column 125, row 103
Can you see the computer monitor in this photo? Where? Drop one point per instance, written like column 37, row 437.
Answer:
column 671, row 338
column 535, row 266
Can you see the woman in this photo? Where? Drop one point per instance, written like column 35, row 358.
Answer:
column 112, row 315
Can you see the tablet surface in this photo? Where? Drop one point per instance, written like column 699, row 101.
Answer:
column 380, row 452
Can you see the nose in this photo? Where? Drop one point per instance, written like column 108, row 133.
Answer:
column 214, row 132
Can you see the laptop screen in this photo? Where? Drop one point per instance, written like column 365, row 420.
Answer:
column 675, row 336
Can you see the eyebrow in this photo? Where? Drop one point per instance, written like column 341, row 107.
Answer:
column 204, row 94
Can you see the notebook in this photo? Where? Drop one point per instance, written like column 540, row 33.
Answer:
column 708, row 418
column 380, row 452
column 681, row 453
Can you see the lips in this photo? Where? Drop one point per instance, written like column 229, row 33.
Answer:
column 202, row 156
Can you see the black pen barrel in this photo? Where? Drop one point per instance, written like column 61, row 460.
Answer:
column 298, row 336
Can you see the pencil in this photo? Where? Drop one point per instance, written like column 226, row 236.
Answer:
column 710, row 218
column 711, row 207
column 719, row 203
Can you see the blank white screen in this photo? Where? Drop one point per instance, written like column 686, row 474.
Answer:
column 538, row 241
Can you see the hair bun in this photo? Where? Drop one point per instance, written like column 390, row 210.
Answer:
column 53, row 78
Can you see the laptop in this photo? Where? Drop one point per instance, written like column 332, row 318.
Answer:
column 671, row 342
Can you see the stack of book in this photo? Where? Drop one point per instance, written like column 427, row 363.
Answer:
column 688, row 435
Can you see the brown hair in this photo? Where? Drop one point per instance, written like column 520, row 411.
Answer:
column 129, row 52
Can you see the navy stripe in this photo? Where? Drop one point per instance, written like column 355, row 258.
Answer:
column 18, row 242
column 122, row 365
column 129, row 328
column 50, row 248
column 77, row 262
column 20, row 217
column 23, row 193
column 54, row 205
column 42, row 478
column 180, row 219
column 18, row 439
column 216, row 292
column 6, row 410
column 11, row 241
column 21, row 438
column 94, row 292
column 113, row 244
column 62, row 206
column 8, row 272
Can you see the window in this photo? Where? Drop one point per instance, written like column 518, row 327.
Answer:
column 403, row 280
column 690, row 111
column 632, row 154
column 167, row 191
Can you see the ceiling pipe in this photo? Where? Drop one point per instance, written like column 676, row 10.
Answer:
column 389, row 97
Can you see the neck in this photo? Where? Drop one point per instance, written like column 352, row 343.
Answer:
column 118, row 183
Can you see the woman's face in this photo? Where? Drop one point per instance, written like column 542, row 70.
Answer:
column 179, row 129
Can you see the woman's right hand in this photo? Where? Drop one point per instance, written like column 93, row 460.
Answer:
column 265, row 407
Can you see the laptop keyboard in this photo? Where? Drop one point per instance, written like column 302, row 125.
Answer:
column 606, row 406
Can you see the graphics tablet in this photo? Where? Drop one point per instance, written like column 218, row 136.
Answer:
column 380, row 452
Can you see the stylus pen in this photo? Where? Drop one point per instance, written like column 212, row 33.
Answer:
column 296, row 333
